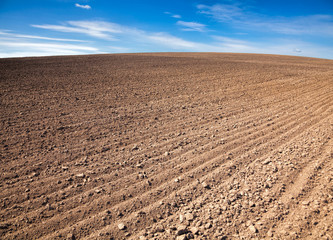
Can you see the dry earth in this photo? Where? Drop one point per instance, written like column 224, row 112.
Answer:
column 166, row 146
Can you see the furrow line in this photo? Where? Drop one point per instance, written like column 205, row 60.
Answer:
column 234, row 137
column 175, row 140
column 215, row 174
column 209, row 163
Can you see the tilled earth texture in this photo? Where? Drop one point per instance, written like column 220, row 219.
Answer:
column 166, row 146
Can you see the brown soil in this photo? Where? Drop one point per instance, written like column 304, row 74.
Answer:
column 166, row 146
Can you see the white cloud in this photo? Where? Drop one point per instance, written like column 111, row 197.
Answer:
column 140, row 40
column 170, row 41
column 176, row 16
column 47, row 46
column 176, row 43
column 98, row 26
column 192, row 26
column 234, row 45
column 82, row 6
column 221, row 12
column 275, row 46
column 8, row 34
column 99, row 29
column 173, row 15
column 37, row 53
column 229, row 40
column 24, row 49
column 242, row 19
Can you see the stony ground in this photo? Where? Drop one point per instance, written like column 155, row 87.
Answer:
column 166, row 146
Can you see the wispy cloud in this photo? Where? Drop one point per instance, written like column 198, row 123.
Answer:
column 114, row 32
column 222, row 12
column 170, row 41
column 173, row 15
column 192, row 26
column 240, row 18
column 176, row 16
column 9, row 34
column 283, row 46
column 123, row 36
column 99, row 29
column 82, row 6
column 234, row 45
column 47, row 46
column 217, row 44
column 24, row 48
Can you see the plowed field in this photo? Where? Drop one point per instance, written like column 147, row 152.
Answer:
column 166, row 146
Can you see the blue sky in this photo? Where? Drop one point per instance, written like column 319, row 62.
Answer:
column 67, row 27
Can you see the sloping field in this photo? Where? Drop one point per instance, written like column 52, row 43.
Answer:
column 166, row 146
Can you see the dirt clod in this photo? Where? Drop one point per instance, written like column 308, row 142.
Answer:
column 121, row 226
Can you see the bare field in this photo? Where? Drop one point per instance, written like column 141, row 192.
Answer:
column 166, row 146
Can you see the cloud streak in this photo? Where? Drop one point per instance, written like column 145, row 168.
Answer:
column 47, row 46
column 113, row 31
column 222, row 12
column 176, row 16
column 8, row 34
column 24, row 49
column 240, row 18
column 98, row 29
column 82, row 6
column 192, row 26
column 173, row 15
